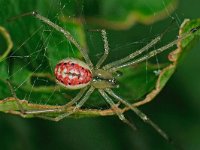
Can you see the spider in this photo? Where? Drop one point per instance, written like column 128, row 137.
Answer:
column 72, row 73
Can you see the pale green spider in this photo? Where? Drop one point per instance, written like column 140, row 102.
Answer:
column 76, row 74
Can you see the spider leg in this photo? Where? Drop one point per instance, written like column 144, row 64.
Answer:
column 59, row 29
column 134, row 54
column 20, row 107
column 156, row 51
column 72, row 102
column 138, row 52
column 116, row 109
column 76, row 98
column 144, row 117
column 106, row 48
column 79, row 105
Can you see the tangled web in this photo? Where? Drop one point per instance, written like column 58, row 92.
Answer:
column 38, row 48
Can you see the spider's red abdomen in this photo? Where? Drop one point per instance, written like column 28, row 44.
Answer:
column 73, row 73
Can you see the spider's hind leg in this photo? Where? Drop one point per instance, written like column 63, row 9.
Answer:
column 76, row 107
column 19, row 105
column 66, row 33
column 64, row 110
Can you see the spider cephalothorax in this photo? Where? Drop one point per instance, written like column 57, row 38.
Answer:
column 72, row 73
column 103, row 79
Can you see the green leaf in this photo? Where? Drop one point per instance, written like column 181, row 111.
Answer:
column 117, row 14
column 133, row 76
column 38, row 48
column 6, row 43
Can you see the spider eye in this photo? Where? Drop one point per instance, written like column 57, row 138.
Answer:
column 114, row 83
column 95, row 78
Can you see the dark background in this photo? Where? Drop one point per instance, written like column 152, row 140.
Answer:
column 175, row 109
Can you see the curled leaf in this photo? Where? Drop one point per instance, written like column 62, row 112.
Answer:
column 133, row 76
column 123, row 14
column 6, row 43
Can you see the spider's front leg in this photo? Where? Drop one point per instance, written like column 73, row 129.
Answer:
column 145, row 118
column 154, row 52
column 105, row 44
column 116, row 109
column 106, row 48
column 133, row 55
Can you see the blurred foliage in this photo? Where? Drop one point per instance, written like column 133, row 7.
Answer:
column 31, row 72
column 43, row 47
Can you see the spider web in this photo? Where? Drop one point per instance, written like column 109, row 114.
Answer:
column 40, row 47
